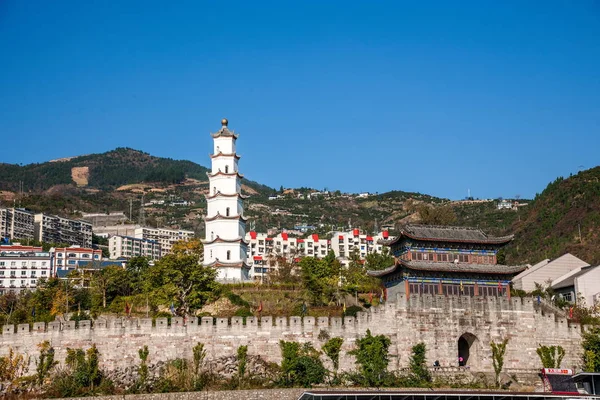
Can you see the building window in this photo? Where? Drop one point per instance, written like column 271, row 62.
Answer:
column 212, row 235
column 227, row 211
column 23, row 272
column 227, row 169
column 229, row 254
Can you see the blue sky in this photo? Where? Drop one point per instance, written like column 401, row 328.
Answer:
column 435, row 97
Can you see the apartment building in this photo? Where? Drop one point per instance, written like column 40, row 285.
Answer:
column 128, row 247
column 344, row 244
column 16, row 223
column 54, row 229
column 70, row 257
column 22, row 266
column 165, row 237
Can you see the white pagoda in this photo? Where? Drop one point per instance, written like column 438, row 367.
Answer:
column 224, row 245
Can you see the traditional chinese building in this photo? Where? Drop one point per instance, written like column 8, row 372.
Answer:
column 224, row 246
column 446, row 260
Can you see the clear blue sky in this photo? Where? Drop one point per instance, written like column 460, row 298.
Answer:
column 497, row 96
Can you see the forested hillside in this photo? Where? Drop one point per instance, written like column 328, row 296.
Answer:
column 109, row 170
column 565, row 217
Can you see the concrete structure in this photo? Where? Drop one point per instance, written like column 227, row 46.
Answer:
column 224, row 245
column 22, row 266
column 110, row 230
column 344, row 244
column 70, row 257
column 16, row 223
column 450, row 326
column 165, row 237
column 582, row 283
column 55, row 229
column 127, row 247
column 546, row 271
column 104, row 219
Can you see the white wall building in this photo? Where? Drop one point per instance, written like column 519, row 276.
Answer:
column 547, row 271
column 55, row 229
column 69, row 257
column 128, row 247
column 165, row 237
column 22, row 266
column 344, row 244
column 16, row 223
column 224, row 245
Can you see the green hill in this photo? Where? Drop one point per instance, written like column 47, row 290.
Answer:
column 109, row 170
column 565, row 217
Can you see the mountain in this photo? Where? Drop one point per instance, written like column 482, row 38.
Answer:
column 565, row 217
column 109, row 170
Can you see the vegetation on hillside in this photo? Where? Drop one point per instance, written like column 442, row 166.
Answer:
column 565, row 217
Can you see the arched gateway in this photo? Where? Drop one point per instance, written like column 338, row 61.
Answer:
column 469, row 350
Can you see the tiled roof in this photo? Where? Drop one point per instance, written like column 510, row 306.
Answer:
column 224, row 131
column 449, row 234
column 235, row 264
column 451, row 267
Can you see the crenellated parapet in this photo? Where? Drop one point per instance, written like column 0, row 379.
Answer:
column 442, row 323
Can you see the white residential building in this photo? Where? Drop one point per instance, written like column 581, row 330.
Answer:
column 344, row 244
column 16, row 223
column 165, row 237
column 128, row 247
column 547, row 271
column 313, row 246
column 582, row 283
column 69, row 257
column 22, row 266
column 224, row 245
column 54, row 229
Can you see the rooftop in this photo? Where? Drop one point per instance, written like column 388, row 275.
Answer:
column 448, row 234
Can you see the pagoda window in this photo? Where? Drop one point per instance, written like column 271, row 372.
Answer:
column 212, row 235
column 227, row 212
column 463, row 258
column 227, row 169
column 229, row 254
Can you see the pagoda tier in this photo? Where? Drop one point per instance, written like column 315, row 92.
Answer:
column 230, row 217
column 218, row 239
column 221, row 154
column 219, row 194
column 214, row 174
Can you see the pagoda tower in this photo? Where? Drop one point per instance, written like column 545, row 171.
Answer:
column 224, row 245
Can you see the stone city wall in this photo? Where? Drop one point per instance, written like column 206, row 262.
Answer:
column 438, row 321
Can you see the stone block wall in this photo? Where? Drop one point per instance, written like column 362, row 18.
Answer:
column 438, row 321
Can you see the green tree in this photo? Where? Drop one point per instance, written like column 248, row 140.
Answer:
column 378, row 261
column 181, row 279
column 320, row 278
column 551, row 356
column 143, row 368
column 45, row 363
column 591, row 350
column 372, row 358
column 498, row 350
column 300, row 365
column 332, row 349
column 418, row 363
column 108, row 283
column 242, row 357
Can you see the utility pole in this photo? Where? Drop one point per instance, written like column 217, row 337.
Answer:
column 131, row 210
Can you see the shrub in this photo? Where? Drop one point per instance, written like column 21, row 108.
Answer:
column 352, row 310
column 372, row 358
column 301, row 365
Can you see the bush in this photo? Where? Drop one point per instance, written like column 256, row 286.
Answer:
column 301, row 366
column 237, row 300
column 243, row 312
column 352, row 310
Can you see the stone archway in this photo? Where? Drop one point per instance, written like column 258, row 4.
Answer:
column 468, row 349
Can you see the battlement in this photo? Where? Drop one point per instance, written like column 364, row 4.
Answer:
column 364, row 320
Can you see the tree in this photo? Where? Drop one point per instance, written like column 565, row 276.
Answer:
column 372, row 358
column 378, row 261
column 242, row 356
column 45, row 363
column 300, row 365
column 320, row 278
column 180, row 279
column 551, row 356
column 332, row 349
column 498, row 350
column 418, row 363
column 108, row 283
column 591, row 350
